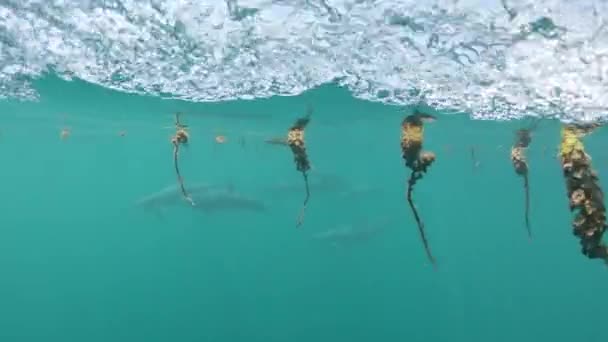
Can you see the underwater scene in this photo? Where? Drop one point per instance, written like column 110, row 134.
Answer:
column 319, row 170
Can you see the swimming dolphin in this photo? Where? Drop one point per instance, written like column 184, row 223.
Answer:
column 207, row 198
column 324, row 183
column 170, row 195
column 357, row 232
column 226, row 199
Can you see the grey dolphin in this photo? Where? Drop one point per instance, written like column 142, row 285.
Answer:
column 348, row 233
column 226, row 199
column 319, row 182
column 171, row 195
column 207, row 198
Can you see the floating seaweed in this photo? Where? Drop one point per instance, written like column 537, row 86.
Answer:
column 523, row 138
column 295, row 140
column 584, row 191
column 412, row 136
column 520, row 163
column 181, row 137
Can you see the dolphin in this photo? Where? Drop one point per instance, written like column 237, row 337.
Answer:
column 357, row 232
column 226, row 200
column 170, row 195
column 207, row 198
column 319, row 183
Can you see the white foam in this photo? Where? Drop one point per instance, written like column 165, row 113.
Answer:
column 467, row 55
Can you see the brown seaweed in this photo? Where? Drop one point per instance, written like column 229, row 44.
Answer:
column 520, row 163
column 418, row 161
column 523, row 138
column 181, row 137
column 295, row 141
column 584, row 191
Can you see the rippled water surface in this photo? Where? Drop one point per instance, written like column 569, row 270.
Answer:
column 98, row 244
column 496, row 59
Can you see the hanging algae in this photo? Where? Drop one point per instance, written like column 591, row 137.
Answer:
column 295, row 140
column 412, row 136
column 520, row 163
column 181, row 137
column 584, row 192
column 523, row 138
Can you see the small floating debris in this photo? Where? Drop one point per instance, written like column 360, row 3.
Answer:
column 584, row 191
column 65, row 133
column 520, row 163
column 221, row 139
column 181, row 137
column 412, row 136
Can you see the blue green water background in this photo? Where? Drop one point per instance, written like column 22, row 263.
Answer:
column 81, row 262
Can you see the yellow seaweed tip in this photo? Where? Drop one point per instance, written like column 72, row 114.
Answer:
column 413, row 133
column 570, row 141
column 295, row 137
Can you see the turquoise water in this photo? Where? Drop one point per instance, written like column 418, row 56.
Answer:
column 82, row 261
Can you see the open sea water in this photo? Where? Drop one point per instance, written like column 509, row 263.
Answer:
column 97, row 243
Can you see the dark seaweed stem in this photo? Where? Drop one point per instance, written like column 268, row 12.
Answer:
column 520, row 163
column 295, row 140
column 584, row 192
column 412, row 136
column 410, row 189
column 300, row 219
column 181, row 137
column 527, row 205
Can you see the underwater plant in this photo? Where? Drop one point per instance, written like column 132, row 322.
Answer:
column 584, row 191
column 523, row 138
column 181, row 137
column 412, row 136
column 295, row 140
column 520, row 164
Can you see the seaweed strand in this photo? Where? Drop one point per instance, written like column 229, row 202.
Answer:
column 412, row 136
column 181, row 137
column 584, row 191
column 300, row 219
column 520, row 164
column 410, row 189
column 295, row 140
column 527, row 205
